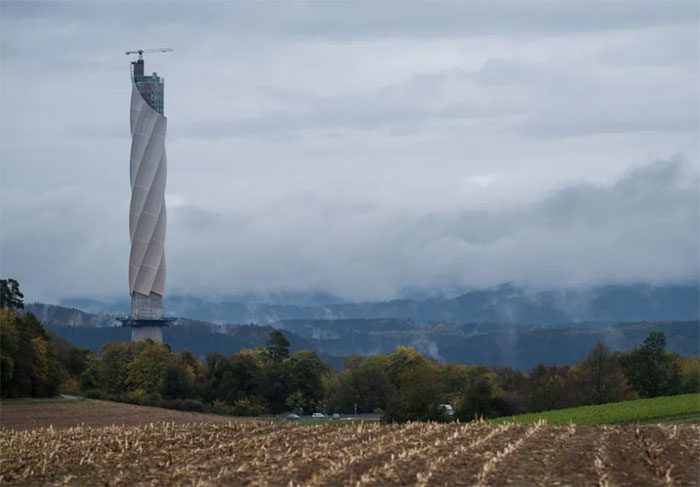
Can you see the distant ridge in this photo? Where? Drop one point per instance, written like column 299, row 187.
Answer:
column 495, row 344
column 503, row 304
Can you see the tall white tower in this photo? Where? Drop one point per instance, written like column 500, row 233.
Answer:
column 147, row 217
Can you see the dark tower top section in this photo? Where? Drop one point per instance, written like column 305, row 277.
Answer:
column 150, row 87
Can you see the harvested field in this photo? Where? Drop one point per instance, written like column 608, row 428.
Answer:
column 21, row 414
column 259, row 453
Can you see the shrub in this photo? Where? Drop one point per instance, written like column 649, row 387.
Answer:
column 93, row 394
column 246, row 407
column 70, row 386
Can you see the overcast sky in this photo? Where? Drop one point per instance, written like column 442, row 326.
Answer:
column 363, row 149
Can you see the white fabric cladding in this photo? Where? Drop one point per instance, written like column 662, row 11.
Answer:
column 147, row 212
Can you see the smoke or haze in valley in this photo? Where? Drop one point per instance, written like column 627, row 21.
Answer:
column 363, row 150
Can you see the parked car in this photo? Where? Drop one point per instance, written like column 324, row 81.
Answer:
column 336, row 416
column 447, row 409
column 318, row 415
column 292, row 417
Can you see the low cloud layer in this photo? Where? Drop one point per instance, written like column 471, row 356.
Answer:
column 642, row 228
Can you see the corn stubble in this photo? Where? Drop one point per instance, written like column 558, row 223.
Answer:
column 359, row 454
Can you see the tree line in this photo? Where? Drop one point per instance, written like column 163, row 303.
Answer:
column 402, row 385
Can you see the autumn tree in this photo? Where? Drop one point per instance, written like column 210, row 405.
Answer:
column 30, row 365
column 600, row 378
column 690, row 374
column 112, row 366
column 146, row 371
column 548, row 387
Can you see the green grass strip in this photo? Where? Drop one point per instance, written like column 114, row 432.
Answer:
column 668, row 409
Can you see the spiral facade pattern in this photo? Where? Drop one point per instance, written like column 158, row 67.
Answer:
column 147, row 217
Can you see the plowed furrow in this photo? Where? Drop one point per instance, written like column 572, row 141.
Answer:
column 311, row 458
column 281, row 459
column 628, row 460
column 493, row 464
column 462, row 465
column 533, row 463
column 350, row 469
column 682, row 448
column 413, row 465
column 687, row 437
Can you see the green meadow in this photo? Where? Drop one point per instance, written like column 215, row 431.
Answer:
column 667, row 409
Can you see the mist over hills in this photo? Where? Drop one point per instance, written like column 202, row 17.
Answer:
column 505, row 326
column 503, row 304
column 92, row 331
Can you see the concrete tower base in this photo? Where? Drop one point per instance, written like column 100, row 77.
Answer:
column 155, row 333
column 146, row 329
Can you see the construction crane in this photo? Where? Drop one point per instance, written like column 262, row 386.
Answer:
column 141, row 52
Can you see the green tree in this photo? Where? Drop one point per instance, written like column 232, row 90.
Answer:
column 176, row 384
column 10, row 295
column 73, row 359
column 366, row 385
column 277, row 346
column 112, row 366
column 454, row 379
column 90, row 379
column 418, row 396
column 248, row 407
column 510, row 379
column 231, row 378
column 296, row 402
column 306, row 371
column 650, row 369
column 9, row 345
column 276, row 385
column 401, row 361
column 483, row 398
column 146, row 370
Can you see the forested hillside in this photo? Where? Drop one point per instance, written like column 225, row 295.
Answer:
column 493, row 344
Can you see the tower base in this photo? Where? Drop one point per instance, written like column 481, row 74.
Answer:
column 145, row 329
column 139, row 333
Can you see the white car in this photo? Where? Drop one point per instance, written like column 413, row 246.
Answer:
column 447, row 409
column 318, row 415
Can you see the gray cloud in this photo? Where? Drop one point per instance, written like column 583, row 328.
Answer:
column 353, row 20
column 358, row 148
column 644, row 227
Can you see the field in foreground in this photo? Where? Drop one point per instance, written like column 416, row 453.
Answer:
column 259, row 453
column 669, row 409
column 28, row 414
